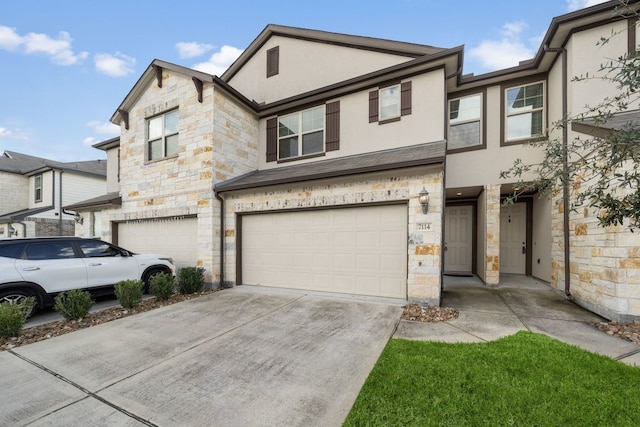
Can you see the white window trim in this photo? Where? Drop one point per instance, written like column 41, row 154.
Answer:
column 37, row 187
column 163, row 138
column 300, row 133
column 398, row 97
column 462, row 122
column 507, row 114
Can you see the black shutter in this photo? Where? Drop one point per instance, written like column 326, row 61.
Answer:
column 332, row 123
column 272, row 140
column 373, row 106
column 405, row 98
column 273, row 61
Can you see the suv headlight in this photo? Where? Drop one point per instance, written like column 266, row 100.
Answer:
column 168, row 259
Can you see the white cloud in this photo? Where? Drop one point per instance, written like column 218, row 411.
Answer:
column 506, row 52
column 58, row 49
column 9, row 39
column 117, row 65
column 89, row 141
column 15, row 135
column 192, row 49
column 219, row 61
column 107, row 128
column 581, row 4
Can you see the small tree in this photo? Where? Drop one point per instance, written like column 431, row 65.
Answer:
column 601, row 172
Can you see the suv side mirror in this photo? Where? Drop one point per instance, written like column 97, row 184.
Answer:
column 125, row 253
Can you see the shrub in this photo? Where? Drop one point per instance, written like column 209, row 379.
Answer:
column 13, row 316
column 73, row 304
column 190, row 280
column 129, row 292
column 162, row 286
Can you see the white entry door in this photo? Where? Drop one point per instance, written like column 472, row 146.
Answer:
column 513, row 238
column 458, row 239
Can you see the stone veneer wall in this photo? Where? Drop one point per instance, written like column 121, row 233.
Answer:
column 424, row 246
column 604, row 264
column 217, row 140
column 492, row 235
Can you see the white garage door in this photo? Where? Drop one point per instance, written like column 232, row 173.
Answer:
column 176, row 238
column 353, row 250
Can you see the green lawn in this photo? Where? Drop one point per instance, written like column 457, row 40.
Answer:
column 526, row 379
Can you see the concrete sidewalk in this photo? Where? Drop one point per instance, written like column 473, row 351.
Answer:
column 519, row 303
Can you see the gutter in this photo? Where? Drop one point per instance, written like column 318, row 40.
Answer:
column 565, row 170
column 217, row 196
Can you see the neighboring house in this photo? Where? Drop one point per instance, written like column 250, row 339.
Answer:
column 34, row 190
column 309, row 162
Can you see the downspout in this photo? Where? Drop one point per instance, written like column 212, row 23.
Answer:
column 217, row 195
column 565, row 169
column 60, row 231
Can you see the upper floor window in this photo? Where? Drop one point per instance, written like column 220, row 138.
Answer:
column 162, row 134
column 524, row 112
column 387, row 104
column 305, row 133
column 301, row 134
column 37, row 188
column 465, row 122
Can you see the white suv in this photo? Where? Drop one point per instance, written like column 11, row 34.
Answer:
column 45, row 266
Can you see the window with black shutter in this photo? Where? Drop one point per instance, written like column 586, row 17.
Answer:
column 332, row 142
column 272, row 140
column 389, row 103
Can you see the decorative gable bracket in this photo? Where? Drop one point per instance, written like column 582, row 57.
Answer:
column 158, row 71
column 125, row 118
column 198, row 84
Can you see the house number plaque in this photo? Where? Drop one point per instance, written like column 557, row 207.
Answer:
column 423, row 226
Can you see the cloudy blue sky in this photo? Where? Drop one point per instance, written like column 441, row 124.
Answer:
column 66, row 65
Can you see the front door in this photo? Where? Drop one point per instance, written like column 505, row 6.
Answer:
column 513, row 241
column 458, row 239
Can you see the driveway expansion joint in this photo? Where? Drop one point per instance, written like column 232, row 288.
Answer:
column 87, row 392
column 629, row 354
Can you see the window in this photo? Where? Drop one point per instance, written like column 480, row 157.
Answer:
column 301, row 134
column 50, row 250
column 97, row 248
column 162, row 134
column 524, row 112
column 273, row 61
column 465, row 122
column 96, row 224
column 37, row 188
column 390, row 103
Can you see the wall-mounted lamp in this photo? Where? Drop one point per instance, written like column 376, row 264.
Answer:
column 79, row 219
column 423, row 198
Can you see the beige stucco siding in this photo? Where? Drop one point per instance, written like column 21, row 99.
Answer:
column 358, row 136
column 15, row 192
column 305, row 66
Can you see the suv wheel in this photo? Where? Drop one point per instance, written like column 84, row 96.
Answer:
column 16, row 296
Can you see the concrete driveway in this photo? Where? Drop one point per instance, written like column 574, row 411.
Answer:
column 241, row 357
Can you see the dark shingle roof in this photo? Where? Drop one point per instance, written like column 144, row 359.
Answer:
column 24, row 164
column 104, row 201
column 415, row 155
column 599, row 128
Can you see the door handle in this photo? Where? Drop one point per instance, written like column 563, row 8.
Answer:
column 31, row 269
column 95, row 264
column 524, row 248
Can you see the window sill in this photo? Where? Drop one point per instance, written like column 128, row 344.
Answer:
column 148, row 162
column 308, row 156
column 523, row 141
column 465, row 149
column 384, row 122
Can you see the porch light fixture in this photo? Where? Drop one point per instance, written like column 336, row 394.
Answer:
column 423, row 198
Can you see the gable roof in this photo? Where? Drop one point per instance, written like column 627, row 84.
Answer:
column 24, row 164
column 151, row 73
column 392, row 47
column 602, row 128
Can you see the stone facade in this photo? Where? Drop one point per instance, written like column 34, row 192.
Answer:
column 15, row 192
column 492, row 235
column 424, row 245
column 605, row 264
column 217, row 140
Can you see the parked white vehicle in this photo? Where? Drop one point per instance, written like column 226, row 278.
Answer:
column 45, row 266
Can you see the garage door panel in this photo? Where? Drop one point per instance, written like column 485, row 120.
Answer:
column 176, row 238
column 352, row 250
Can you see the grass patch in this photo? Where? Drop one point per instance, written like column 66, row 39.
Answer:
column 526, row 379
